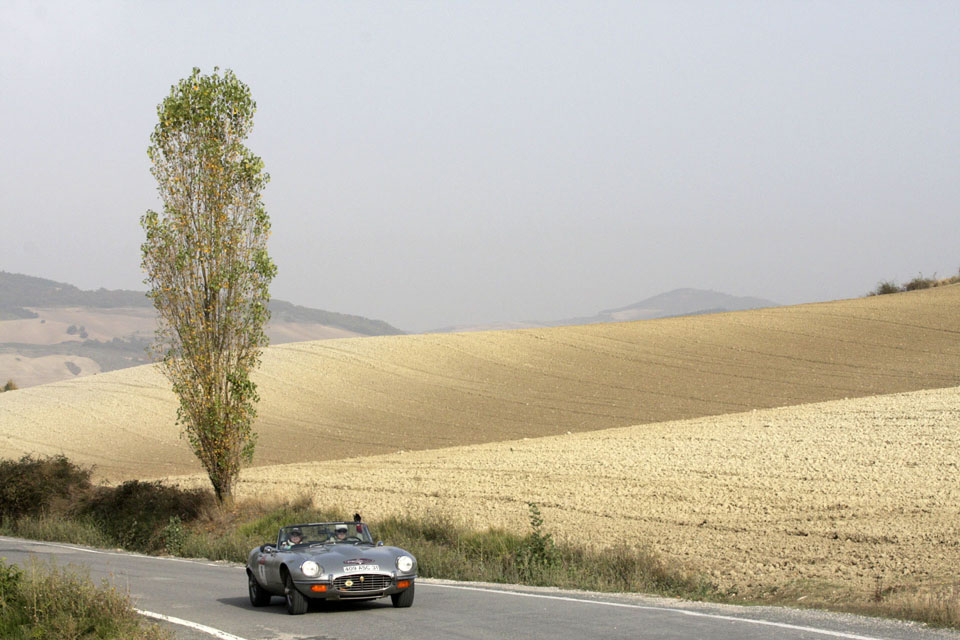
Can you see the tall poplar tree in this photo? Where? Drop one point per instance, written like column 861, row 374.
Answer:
column 205, row 256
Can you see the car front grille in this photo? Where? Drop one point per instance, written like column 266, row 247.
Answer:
column 362, row 582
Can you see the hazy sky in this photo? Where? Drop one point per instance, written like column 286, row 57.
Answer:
column 440, row 163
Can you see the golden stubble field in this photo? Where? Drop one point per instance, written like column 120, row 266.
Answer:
column 336, row 399
column 839, row 493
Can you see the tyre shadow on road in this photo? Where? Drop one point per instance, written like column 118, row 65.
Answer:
column 278, row 607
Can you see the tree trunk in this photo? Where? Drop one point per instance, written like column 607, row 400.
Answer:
column 223, row 490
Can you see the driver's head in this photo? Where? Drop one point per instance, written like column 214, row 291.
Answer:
column 296, row 536
column 341, row 531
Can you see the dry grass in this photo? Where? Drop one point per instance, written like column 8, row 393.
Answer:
column 813, row 500
column 341, row 398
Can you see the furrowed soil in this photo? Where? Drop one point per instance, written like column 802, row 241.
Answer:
column 337, row 399
column 831, row 499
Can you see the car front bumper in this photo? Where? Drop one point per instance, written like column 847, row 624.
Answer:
column 365, row 586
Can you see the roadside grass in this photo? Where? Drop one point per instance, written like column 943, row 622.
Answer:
column 939, row 607
column 162, row 519
column 44, row 601
column 54, row 528
column 936, row 605
column 447, row 550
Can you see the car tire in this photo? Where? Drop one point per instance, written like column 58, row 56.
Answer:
column 297, row 603
column 404, row 598
column 258, row 596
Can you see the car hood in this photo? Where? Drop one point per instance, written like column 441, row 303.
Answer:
column 335, row 555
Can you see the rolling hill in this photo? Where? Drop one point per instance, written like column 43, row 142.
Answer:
column 335, row 399
column 683, row 302
column 53, row 331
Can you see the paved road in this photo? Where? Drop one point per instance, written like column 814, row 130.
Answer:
column 213, row 595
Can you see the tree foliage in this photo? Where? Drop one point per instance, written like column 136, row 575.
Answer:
column 207, row 266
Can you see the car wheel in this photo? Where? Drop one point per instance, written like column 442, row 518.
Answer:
column 404, row 598
column 258, row 597
column 297, row 603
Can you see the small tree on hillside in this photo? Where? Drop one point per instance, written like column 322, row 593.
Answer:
column 207, row 266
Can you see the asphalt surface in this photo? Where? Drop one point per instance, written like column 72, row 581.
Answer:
column 212, row 597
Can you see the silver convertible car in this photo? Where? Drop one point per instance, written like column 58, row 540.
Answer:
column 329, row 561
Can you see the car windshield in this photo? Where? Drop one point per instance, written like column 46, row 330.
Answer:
column 324, row 533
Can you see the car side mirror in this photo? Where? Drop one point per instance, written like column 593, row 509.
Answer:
column 267, row 548
column 379, row 543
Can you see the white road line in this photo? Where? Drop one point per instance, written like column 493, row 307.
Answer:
column 126, row 554
column 782, row 625
column 216, row 633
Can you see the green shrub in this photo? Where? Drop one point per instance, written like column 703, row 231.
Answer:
column 174, row 536
column 10, row 386
column 920, row 283
column 11, row 592
column 883, row 288
column 537, row 554
column 44, row 602
column 136, row 514
column 33, row 486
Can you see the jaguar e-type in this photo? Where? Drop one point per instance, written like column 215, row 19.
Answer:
column 329, row 561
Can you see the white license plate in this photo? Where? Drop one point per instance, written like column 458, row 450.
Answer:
column 361, row 568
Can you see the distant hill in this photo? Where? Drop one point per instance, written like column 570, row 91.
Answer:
column 682, row 302
column 491, row 326
column 53, row 330
column 282, row 311
column 679, row 302
column 18, row 292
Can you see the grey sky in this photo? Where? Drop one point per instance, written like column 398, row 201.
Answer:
column 440, row 163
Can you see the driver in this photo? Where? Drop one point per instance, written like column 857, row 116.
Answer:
column 296, row 537
column 341, row 532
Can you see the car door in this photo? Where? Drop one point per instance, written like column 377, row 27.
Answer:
column 268, row 570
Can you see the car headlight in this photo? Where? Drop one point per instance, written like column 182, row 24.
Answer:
column 311, row 569
column 404, row 563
